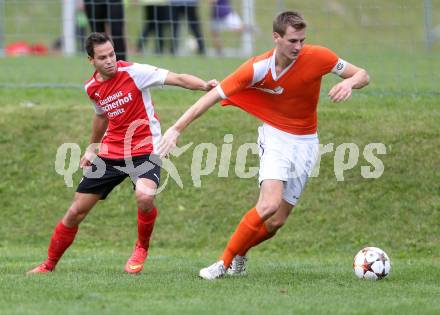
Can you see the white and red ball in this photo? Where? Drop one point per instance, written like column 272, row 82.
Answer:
column 371, row 263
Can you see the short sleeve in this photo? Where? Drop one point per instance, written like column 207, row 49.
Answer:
column 239, row 80
column 98, row 109
column 146, row 76
column 326, row 59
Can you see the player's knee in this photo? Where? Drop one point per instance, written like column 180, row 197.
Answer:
column 275, row 225
column 76, row 213
column 145, row 202
column 267, row 208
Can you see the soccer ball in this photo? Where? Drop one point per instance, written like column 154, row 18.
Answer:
column 371, row 263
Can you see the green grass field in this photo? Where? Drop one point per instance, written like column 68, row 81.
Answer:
column 307, row 267
column 90, row 281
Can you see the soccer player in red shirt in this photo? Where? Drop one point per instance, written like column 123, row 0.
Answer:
column 127, row 130
column 281, row 87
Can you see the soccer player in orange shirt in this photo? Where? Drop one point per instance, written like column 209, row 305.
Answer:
column 280, row 87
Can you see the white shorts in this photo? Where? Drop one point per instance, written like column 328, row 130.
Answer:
column 231, row 22
column 287, row 157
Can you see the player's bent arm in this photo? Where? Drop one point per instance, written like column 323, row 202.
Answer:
column 99, row 126
column 357, row 77
column 354, row 78
column 169, row 139
column 189, row 81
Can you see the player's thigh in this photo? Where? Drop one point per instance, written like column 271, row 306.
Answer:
column 81, row 205
column 85, row 201
column 146, row 180
column 270, row 198
column 102, row 177
column 146, row 174
column 274, row 158
column 302, row 163
column 145, row 194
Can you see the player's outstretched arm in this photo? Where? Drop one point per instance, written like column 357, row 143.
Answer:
column 189, row 81
column 99, row 126
column 169, row 139
column 354, row 78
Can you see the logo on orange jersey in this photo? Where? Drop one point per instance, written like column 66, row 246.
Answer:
column 278, row 90
column 339, row 66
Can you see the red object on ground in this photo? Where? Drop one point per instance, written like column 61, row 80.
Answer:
column 39, row 49
column 18, row 49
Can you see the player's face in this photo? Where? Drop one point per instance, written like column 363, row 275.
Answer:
column 291, row 43
column 104, row 60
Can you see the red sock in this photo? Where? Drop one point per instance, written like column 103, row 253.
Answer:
column 262, row 235
column 245, row 232
column 61, row 239
column 146, row 221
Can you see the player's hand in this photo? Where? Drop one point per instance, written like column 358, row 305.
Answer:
column 210, row 85
column 168, row 142
column 341, row 91
column 87, row 159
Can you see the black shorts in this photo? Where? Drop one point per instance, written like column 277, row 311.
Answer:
column 105, row 174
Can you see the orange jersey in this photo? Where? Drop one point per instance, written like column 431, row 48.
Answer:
column 287, row 102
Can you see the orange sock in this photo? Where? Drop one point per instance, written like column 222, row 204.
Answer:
column 262, row 235
column 244, row 233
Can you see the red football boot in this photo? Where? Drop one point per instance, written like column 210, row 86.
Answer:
column 135, row 263
column 39, row 269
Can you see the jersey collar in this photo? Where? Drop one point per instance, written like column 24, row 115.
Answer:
column 273, row 69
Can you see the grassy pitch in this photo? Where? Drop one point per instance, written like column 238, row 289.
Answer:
column 306, row 269
column 91, row 281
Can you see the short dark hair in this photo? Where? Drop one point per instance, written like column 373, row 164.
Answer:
column 96, row 39
column 288, row 18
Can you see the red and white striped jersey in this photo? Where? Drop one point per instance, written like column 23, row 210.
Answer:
column 125, row 99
